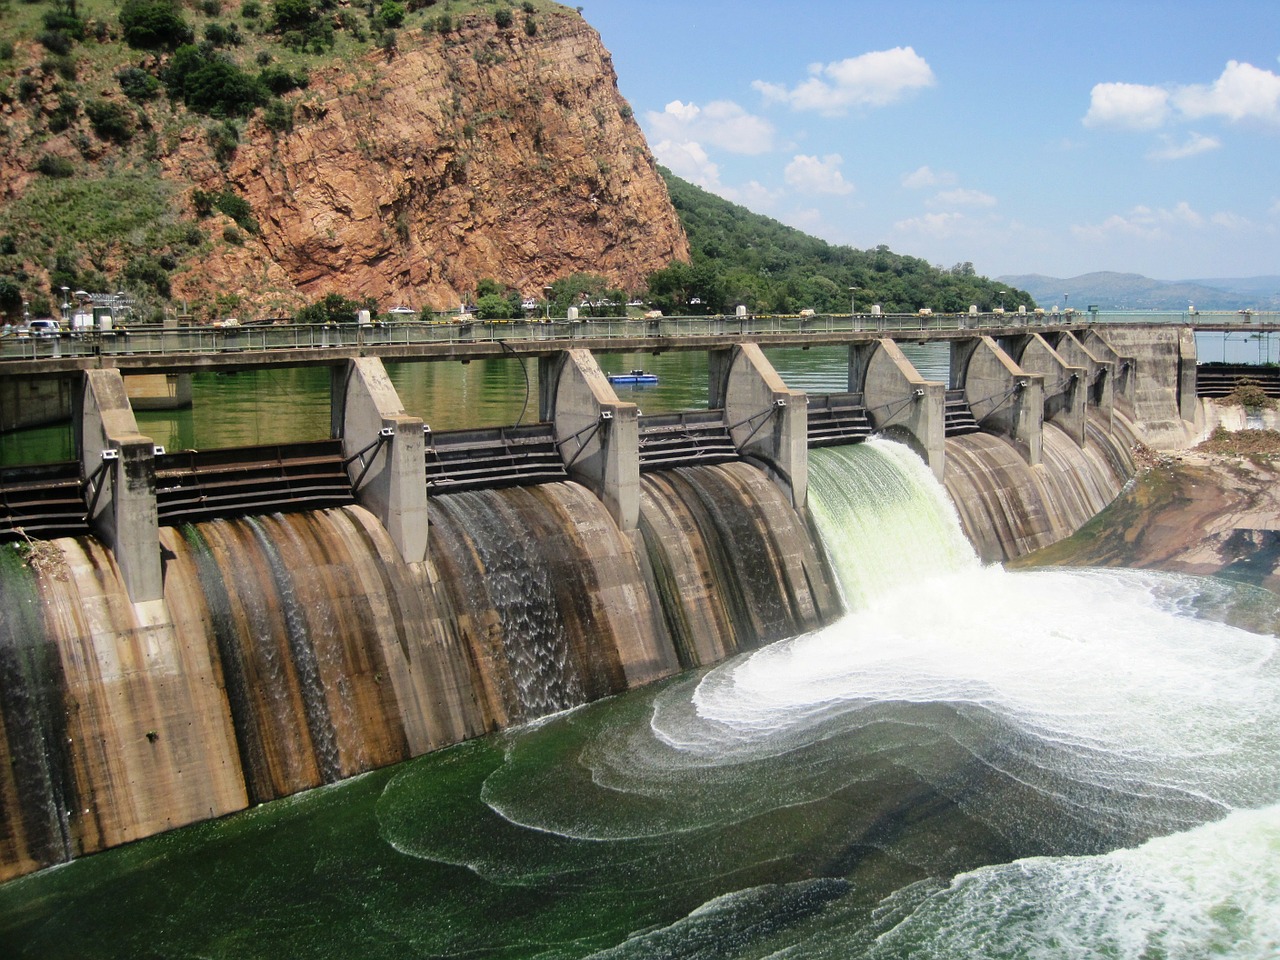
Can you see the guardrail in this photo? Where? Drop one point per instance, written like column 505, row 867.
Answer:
column 186, row 341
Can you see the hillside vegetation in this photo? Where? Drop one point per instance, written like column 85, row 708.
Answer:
column 135, row 135
column 740, row 257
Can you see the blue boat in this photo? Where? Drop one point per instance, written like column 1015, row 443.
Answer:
column 633, row 377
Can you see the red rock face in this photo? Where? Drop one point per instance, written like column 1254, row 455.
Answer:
column 483, row 153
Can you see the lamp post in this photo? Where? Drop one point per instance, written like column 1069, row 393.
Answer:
column 853, row 297
column 1000, row 294
column 66, row 306
column 547, row 299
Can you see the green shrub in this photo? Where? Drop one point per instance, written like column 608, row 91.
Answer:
column 278, row 116
column 530, row 28
column 232, row 236
column 62, row 19
column 138, row 85
column 280, row 81
column 237, row 208
column 292, row 14
column 153, row 25
column 391, row 14
column 334, row 308
column 503, row 19
column 251, row 9
column 211, row 85
column 111, row 120
column 224, row 138
column 65, row 113
column 60, row 168
column 218, row 35
column 148, row 271
column 55, row 41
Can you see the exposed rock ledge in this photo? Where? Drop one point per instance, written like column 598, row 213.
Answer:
column 482, row 153
column 1191, row 512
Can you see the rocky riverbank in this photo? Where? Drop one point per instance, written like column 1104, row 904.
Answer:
column 1212, row 510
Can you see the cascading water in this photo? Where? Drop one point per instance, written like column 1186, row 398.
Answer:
column 36, row 790
column 510, row 577
column 971, row 763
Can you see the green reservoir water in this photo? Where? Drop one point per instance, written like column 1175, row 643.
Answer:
column 283, row 405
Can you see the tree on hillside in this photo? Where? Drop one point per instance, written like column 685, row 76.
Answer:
column 739, row 257
column 154, row 25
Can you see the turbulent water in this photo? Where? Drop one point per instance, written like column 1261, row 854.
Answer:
column 971, row 763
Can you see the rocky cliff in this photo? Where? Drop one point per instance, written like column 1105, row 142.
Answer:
column 407, row 175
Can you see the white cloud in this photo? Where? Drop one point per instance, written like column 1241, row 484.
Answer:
column 689, row 161
column 1141, row 222
column 1194, row 144
column 874, row 79
column 1130, row 106
column 924, row 177
column 754, row 195
column 932, row 224
column 814, row 175
column 721, row 123
column 961, row 197
column 1242, row 92
column 1230, row 221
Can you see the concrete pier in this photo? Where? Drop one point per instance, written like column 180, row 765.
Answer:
column 1004, row 398
column 767, row 420
column 385, row 452
column 598, row 434
column 900, row 403
column 119, row 464
column 1064, row 384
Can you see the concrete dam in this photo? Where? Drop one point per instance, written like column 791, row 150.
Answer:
column 169, row 665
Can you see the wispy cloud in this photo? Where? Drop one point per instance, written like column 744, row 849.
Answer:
column 961, row 197
column 932, row 224
column 923, row 178
column 1195, row 144
column 875, row 79
column 1142, row 222
column 817, row 175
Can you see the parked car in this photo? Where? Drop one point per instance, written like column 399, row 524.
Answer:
column 44, row 328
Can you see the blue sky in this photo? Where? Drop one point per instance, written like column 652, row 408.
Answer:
column 1026, row 137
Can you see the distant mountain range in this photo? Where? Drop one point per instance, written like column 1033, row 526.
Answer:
column 1131, row 291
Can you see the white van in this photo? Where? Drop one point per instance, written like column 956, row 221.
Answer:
column 44, row 328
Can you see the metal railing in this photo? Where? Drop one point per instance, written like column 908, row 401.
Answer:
column 140, row 340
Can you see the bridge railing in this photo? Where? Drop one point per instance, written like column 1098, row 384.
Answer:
column 154, row 340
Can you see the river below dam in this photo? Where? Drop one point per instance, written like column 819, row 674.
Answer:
column 972, row 762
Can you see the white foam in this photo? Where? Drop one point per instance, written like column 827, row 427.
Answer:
column 1209, row 892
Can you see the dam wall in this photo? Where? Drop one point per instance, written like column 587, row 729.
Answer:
column 289, row 650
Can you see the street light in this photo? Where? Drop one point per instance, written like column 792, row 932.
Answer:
column 66, row 305
column 547, row 299
column 1000, row 294
column 853, row 296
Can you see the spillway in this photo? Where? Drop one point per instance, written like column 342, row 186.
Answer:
column 295, row 650
column 969, row 762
